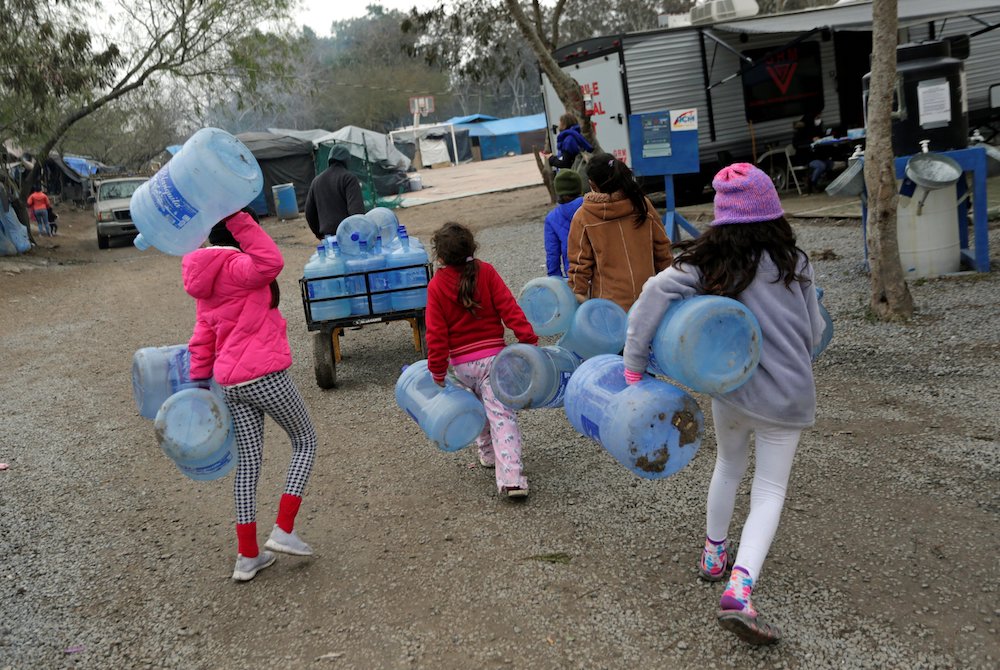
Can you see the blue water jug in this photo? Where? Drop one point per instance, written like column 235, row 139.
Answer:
column 525, row 376
column 652, row 428
column 387, row 223
column 450, row 416
column 323, row 265
column 708, row 343
column 359, row 288
column 549, row 305
column 413, row 277
column 195, row 431
column 158, row 373
column 360, row 225
column 828, row 328
column 598, row 327
column 286, row 206
column 212, row 176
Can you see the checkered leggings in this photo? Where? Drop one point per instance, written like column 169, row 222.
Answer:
column 276, row 396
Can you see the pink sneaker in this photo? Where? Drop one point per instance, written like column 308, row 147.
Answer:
column 737, row 613
column 716, row 560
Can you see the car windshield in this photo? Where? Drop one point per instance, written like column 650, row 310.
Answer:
column 118, row 189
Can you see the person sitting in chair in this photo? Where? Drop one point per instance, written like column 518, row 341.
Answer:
column 808, row 129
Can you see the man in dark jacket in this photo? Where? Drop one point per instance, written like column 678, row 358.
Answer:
column 334, row 195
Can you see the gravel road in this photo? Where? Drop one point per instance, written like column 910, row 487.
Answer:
column 886, row 555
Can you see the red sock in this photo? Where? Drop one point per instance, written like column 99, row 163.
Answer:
column 288, row 507
column 246, row 539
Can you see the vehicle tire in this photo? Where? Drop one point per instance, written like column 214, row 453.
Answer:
column 778, row 175
column 422, row 332
column 324, row 363
column 103, row 241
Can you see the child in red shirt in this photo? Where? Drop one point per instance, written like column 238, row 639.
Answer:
column 468, row 306
column 39, row 205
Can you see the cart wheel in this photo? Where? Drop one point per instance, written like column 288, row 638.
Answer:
column 422, row 333
column 324, row 363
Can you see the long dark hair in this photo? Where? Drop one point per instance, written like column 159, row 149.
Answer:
column 455, row 246
column 728, row 255
column 220, row 236
column 609, row 175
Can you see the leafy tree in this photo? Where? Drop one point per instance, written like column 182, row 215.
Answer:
column 890, row 297
column 53, row 73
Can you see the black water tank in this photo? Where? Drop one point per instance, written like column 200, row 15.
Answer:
column 933, row 105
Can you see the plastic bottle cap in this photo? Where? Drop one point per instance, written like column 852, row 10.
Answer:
column 140, row 242
column 355, row 237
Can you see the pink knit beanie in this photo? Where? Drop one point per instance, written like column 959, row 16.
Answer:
column 744, row 194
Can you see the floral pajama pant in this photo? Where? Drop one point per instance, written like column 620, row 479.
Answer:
column 500, row 441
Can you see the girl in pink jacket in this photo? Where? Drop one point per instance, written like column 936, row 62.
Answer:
column 240, row 338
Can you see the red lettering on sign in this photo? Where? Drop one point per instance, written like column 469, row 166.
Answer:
column 782, row 75
column 598, row 109
column 594, row 85
column 621, row 154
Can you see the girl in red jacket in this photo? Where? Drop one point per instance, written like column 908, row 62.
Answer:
column 240, row 338
column 468, row 306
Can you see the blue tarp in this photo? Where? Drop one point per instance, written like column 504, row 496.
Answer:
column 471, row 118
column 82, row 166
column 13, row 234
column 502, row 136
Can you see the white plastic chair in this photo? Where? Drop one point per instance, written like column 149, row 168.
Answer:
column 777, row 163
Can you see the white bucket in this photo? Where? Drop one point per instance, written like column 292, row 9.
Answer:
column 928, row 235
column 416, row 183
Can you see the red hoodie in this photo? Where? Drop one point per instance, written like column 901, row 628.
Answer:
column 454, row 333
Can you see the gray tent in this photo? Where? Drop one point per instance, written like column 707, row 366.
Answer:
column 283, row 160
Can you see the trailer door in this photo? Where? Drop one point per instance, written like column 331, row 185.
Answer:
column 602, row 83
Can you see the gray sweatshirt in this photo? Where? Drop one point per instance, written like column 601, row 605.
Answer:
column 781, row 389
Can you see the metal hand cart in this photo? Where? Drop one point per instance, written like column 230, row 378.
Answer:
column 326, row 341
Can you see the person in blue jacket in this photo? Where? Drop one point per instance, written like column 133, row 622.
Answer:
column 569, row 143
column 569, row 190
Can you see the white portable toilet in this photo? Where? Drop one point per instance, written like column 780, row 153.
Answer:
column 927, row 223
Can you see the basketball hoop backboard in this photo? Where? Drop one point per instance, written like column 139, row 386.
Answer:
column 422, row 105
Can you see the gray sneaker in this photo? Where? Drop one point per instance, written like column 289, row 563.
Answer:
column 247, row 568
column 287, row 543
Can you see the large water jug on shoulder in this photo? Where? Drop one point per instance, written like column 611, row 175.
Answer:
column 598, row 327
column 212, row 176
column 524, row 376
column 549, row 305
column 450, row 416
column 194, row 429
column 708, row 343
column 652, row 428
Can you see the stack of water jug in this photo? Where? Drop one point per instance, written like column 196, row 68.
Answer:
column 710, row 344
column 342, row 278
column 192, row 423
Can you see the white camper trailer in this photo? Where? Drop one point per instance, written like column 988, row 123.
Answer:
column 752, row 78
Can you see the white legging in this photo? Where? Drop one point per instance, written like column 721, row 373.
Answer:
column 775, row 450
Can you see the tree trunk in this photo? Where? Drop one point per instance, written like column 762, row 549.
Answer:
column 564, row 85
column 890, row 297
column 546, row 170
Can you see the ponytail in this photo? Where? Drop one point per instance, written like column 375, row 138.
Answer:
column 610, row 175
column 467, row 286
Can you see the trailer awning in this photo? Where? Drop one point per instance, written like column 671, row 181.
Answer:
column 858, row 16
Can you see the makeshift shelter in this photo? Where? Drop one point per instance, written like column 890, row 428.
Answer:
column 437, row 143
column 63, row 181
column 283, row 160
column 503, row 137
column 376, row 162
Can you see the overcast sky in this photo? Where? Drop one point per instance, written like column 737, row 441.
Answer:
column 320, row 14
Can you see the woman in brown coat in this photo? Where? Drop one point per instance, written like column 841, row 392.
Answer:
column 616, row 240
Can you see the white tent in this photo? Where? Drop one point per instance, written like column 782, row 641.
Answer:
column 379, row 147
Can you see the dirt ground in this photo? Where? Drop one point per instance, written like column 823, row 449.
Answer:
column 419, row 563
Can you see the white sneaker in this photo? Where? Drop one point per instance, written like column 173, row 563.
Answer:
column 287, row 543
column 247, row 568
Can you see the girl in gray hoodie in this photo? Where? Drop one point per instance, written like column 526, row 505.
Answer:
column 748, row 254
